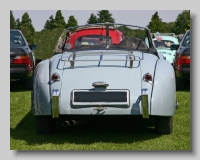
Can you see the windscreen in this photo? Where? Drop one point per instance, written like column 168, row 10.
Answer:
column 163, row 43
column 16, row 38
column 186, row 41
column 113, row 36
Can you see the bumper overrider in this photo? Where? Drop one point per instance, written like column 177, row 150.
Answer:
column 144, row 99
column 55, row 103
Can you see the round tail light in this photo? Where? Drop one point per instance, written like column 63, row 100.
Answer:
column 147, row 77
column 55, row 77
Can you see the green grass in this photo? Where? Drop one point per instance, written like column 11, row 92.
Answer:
column 103, row 134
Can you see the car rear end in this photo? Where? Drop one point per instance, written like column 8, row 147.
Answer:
column 182, row 61
column 21, row 63
column 109, row 87
column 183, row 65
column 21, row 58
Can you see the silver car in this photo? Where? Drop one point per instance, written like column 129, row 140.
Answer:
column 123, row 74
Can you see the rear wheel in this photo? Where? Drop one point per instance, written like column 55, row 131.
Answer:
column 28, row 83
column 163, row 125
column 180, row 84
column 45, row 124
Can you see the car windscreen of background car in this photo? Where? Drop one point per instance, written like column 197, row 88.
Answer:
column 16, row 38
column 163, row 43
column 186, row 41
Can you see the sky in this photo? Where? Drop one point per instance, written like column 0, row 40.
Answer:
column 132, row 17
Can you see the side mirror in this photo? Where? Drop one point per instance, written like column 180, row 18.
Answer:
column 174, row 47
column 33, row 46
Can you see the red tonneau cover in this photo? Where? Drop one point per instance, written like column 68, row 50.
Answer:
column 116, row 35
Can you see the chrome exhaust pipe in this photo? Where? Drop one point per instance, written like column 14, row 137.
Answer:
column 72, row 122
column 65, row 123
column 75, row 122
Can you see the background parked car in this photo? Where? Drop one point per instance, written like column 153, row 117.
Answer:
column 182, row 61
column 22, row 60
column 163, row 43
column 179, row 36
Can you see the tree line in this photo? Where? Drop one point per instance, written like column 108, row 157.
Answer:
column 179, row 26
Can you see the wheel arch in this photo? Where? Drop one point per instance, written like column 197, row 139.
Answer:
column 163, row 100
column 41, row 101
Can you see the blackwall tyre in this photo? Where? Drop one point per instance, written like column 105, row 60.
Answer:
column 28, row 83
column 45, row 125
column 163, row 125
column 180, row 84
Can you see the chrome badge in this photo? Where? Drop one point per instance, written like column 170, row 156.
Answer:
column 100, row 84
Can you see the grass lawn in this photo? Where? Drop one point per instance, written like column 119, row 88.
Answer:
column 124, row 133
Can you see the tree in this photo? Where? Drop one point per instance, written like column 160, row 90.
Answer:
column 71, row 22
column 18, row 23
column 27, row 28
column 105, row 16
column 156, row 24
column 49, row 24
column 188, row 26
column 182, row 22
column 168, row 27
column 125, row 30
column 59, row 20
column 93, row 19
column 12, row 21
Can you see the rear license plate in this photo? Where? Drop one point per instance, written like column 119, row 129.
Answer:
column 84, row 98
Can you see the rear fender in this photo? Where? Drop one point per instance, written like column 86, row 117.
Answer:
column 163, row 101
column 148, row 65
column 56, row 66
column 43, row 87
column 41, row 104
column 161, row 56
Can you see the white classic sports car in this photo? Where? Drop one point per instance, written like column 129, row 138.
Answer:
column 120, row 73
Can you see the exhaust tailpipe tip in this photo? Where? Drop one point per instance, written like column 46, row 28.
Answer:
column 65, row 123
column 72, row 122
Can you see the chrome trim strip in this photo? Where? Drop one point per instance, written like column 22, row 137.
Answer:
column 100, row 83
